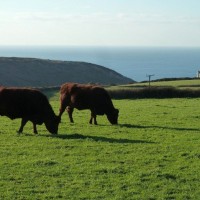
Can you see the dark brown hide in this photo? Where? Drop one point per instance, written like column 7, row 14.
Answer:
column 30, row 105
column 90, row 97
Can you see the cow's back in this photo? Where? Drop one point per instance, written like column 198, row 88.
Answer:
column 76, row 95
column 101, row 100
column 15, row 102
column 81, row 96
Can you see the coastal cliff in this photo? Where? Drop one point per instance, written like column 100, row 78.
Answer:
column 33, row 72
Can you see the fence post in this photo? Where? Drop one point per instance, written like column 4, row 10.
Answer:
column 150, row 78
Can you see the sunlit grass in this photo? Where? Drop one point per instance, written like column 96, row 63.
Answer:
column 152, row 154
column 177, row 83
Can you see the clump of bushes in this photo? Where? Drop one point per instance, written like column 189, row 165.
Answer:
column 154, row 92
column 171, row 79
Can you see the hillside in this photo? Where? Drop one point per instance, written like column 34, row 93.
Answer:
column 33, row 72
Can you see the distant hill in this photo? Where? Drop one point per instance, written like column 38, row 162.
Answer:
column 33, row 72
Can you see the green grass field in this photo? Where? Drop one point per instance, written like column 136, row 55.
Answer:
column 152, row 154
column 183, row 84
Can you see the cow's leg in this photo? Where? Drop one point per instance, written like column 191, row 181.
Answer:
column 63, row 105
column 93, row 116
column 35, row 128
column 70, row 111
column 95, row 119
column 23, row 123
column 62, row 109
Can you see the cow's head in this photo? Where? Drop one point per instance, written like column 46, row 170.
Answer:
column 52, row 125
column 113, row 116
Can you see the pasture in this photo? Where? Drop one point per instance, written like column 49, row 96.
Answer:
column 182, row 84
column 152, row 154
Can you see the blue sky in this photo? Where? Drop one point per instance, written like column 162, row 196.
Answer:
column 100, row 22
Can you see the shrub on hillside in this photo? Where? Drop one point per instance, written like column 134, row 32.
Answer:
column 154, row 92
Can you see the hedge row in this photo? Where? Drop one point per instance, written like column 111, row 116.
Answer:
column 154, row 92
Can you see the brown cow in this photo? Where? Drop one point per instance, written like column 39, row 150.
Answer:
column 30, row 105
column 94, row 98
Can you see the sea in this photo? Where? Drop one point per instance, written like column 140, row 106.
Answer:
column 137, row 63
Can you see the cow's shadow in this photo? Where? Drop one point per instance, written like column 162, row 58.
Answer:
column 159, row 127
column 98, row 138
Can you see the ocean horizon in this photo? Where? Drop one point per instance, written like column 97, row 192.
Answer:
column 133, row 62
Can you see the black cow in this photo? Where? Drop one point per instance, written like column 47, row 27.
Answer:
column 30, row 105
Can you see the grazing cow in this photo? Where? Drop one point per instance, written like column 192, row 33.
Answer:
column 30, row 105
column 90, row 97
